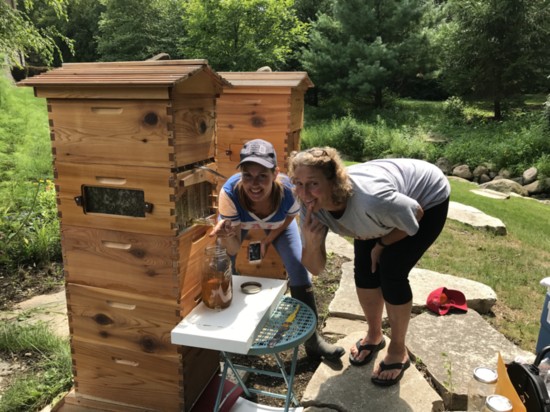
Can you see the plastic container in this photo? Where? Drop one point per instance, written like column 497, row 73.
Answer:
column 544, row 372
column 217, row 282
column 497, row 403
column 544, row 333
column 481, row 386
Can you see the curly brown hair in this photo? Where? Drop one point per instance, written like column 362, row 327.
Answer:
column 329, row 162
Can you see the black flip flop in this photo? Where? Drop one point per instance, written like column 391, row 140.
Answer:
column 373, row 349
column 384, row 367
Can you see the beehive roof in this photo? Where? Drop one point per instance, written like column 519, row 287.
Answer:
column 141, row 73
column 268, row 79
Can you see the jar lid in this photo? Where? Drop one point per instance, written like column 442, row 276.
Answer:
column 485, row 375
column 251, row 288
column 498, row 403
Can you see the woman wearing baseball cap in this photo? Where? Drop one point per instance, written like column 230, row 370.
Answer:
column 259, row 197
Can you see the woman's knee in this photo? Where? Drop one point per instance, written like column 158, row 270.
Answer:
column 397, row 291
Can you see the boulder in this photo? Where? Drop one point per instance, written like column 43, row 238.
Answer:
column 505, row 186
column 463, row 171
column 445, row 165
column 530, row 175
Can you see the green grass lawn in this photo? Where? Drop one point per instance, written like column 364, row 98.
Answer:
column 513, row 265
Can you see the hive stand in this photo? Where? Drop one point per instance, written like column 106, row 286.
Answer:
column 260, row 105
column 133, row 146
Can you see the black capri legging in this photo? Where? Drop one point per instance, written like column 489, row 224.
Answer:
column 398, row 259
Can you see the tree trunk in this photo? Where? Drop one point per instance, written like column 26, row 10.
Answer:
column 378, row 97
column 497, row 109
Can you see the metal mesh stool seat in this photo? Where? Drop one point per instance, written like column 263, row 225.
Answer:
column 272, row 339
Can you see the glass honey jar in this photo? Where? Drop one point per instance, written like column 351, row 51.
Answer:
column 217, row 282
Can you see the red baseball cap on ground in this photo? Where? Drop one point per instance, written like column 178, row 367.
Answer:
column 441, row 300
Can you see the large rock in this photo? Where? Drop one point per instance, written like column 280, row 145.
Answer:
column 538, row 187
column 530, row 175
column 463, row 171
column 481, row 174
column 445, row 165
column 344, row 387
column 475, row 218
column 493, row 194
column 451, row 346
column 505, row 186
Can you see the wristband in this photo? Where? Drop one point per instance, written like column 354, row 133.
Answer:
column 379, row 241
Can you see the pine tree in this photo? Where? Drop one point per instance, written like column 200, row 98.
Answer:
column 364, row 46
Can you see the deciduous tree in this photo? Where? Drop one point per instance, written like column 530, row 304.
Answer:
column 138, row 29
column 496, row 49
column 19, row 36
column 241, row 34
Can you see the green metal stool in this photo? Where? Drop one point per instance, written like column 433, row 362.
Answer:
column 272, row 340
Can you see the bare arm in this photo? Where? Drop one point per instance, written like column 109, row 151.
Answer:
column 393, row 237
column 314, row 253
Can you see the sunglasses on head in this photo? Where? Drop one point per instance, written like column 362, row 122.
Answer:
column 317, row 152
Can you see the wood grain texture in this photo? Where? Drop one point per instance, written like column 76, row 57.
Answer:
column 122, row 320
column 123, row 376
column 114, row 260
column 194, row 128
column 121, row 132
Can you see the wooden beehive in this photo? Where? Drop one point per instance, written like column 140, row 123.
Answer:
column 260, row 105
column 134, row 148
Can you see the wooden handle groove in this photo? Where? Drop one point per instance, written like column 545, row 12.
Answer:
column 119, row 305
column 116, row 245
column 125, row 362
column 107, row 110
column 114, row 181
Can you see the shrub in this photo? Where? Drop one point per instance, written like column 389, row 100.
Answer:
column 454, row 108
column 30, row 234
column 345, row 134
column 412, row 143
column 543, row 165
column 348, row 138
column 516, row 144
column 372, row 140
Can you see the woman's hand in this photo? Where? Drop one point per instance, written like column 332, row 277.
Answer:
column 375, row 254
column 224, row 229
column 314, row 255
column 313, row 230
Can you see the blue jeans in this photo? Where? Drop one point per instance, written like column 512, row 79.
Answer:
column 289, row 247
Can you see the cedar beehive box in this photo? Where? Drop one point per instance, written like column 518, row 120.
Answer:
column 260, row 105
column 134, row 147
column 150, row 113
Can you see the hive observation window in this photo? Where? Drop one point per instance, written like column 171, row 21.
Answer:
column 112, row 201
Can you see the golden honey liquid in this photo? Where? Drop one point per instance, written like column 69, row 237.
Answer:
column 217, row 293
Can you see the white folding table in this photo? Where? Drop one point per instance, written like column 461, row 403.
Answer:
column 247, row 327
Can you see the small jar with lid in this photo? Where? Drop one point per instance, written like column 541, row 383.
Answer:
column 481, row 385
column 497, row 403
